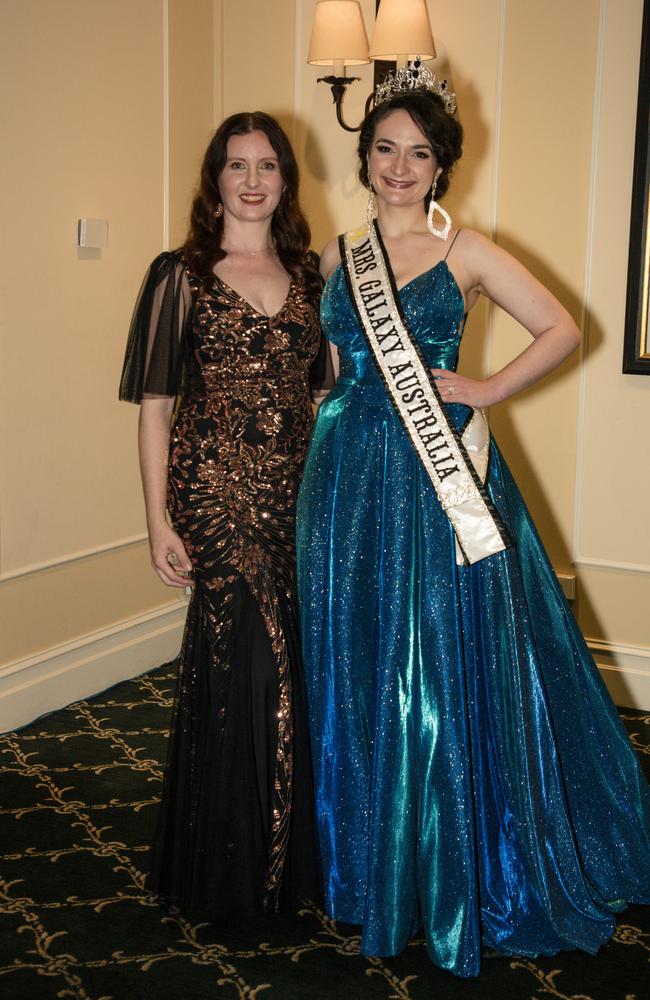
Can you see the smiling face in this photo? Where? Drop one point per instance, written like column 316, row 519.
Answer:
column 250, row 183
column 401, row 164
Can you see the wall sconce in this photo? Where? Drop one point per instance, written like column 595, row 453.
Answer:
column 338, row 38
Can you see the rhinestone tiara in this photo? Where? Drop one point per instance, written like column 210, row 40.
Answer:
column 415, row 76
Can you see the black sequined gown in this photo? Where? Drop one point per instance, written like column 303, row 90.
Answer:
column 236, row 829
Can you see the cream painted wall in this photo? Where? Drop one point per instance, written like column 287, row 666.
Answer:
column 546, row 92
column 612, row 541
column 194, row 103
column 258, row 58
column 76, row 152
column 97, row 127
column 543, row 203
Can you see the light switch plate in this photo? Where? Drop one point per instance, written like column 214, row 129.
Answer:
column 92, row 233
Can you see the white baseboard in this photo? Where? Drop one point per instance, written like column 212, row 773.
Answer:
column 625, row 670
column 56, row 677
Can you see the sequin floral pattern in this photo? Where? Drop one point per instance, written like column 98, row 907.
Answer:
column 238, row 445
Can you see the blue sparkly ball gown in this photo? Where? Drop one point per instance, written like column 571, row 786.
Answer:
column 473, row 777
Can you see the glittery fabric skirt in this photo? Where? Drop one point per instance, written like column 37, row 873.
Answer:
column 236, row 831
column 472, row 775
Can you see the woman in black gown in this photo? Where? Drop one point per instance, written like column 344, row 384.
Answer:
column 229, row 325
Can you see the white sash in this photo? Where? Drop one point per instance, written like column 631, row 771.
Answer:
column 456, row 466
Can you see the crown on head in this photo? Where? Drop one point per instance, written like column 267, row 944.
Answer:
column 415, row 76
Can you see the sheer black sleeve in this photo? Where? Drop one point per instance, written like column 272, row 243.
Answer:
column 153, row 363
column 321, row 373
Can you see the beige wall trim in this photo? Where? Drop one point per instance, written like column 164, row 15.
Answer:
column 165, row 103
column 299, row 55
column 96, row 550
column 638, row 653
column 498, row 123
column 625, row 670
column 55, row 677
column 567, row 582
column 494, row 207
column 612, row 564
column 586, row 303
column 217, row 65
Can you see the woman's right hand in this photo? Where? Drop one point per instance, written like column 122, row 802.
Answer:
column 168, row 556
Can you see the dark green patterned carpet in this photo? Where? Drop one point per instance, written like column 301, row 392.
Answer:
column 78, row 794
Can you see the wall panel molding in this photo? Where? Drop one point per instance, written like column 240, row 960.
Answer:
column 625, row 670
column 72, row 557
column 603, row 314
column 55, row 677
column 299, row 56
column 496, row 162
column 612, row 564
column 166, row 194
column 589, row 258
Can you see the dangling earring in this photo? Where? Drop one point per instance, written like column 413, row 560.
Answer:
column 443, row 233
column 371, row 209
column 218, row 212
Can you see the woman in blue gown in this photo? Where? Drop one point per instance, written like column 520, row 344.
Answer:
column 472, row 775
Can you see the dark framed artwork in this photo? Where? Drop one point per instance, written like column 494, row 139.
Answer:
column 636, row 347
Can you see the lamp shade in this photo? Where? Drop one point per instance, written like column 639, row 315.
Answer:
column 338, row 34
column 402, row 29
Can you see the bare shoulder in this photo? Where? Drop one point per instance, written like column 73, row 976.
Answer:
column 490, row 270
column 470, row 245
column 482, row 257
column 330, row 257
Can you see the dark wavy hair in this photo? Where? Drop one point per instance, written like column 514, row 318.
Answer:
column 289, row 228
column 443, row 132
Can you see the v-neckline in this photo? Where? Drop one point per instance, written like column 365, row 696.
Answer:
column 250, row 305
column 429, row 270
column 422, row 274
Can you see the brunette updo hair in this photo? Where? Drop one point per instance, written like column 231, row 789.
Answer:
column 442, row 131
column 289, row 228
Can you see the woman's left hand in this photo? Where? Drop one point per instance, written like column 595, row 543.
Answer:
column 455, row 388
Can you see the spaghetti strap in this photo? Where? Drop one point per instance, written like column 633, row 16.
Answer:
column 458, row 232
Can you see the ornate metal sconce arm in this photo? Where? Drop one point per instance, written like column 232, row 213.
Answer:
column 339, row 85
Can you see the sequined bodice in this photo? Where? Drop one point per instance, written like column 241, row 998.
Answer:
column 242, row 428
column 432, row 304
column 234, row 344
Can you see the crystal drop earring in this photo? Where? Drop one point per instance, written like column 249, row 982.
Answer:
column 443, row 233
